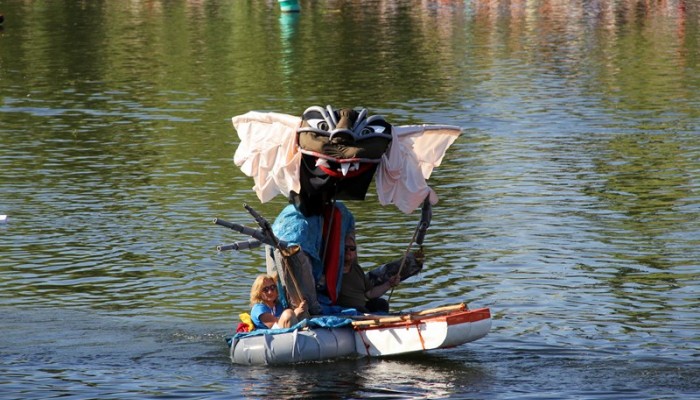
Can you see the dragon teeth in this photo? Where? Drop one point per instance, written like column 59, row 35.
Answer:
column 344, row 168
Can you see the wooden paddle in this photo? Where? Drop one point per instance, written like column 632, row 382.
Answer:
column 414, row 316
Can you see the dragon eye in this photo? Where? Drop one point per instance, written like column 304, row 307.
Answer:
column 318, row 123
column 375, row 128
column 366, row 131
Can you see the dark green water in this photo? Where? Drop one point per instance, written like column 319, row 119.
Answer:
column 570, row 205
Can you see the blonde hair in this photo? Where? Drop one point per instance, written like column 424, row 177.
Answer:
column 256, row 289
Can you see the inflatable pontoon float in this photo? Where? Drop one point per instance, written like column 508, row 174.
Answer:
column 326, row 338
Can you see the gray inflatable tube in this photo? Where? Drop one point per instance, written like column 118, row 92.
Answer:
column 292, row 347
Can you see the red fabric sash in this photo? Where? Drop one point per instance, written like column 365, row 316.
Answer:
column 332, row 265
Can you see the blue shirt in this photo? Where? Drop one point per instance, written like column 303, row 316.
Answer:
column 297, row 229
column 261, row 308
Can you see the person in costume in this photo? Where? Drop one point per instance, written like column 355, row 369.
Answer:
column 357, row 290
column 317, row 160
column 319, row 238
column 267, row 311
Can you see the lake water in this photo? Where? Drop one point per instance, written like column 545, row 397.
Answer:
column 570, row 205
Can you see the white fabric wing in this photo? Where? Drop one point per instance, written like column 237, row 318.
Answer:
column 415, row 151
column 268, row 152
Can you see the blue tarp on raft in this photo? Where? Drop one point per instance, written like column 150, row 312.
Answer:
column 315, row 322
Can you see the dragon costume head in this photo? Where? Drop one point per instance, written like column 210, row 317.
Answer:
column 332, row 153
column 340, row 151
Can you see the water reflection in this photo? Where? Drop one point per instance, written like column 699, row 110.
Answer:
column 646, row 186
column 398, row 377
column 647, row 180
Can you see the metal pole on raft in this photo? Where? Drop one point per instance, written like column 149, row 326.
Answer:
column 289, row 5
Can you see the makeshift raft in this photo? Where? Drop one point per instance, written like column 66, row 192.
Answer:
column 327, row 338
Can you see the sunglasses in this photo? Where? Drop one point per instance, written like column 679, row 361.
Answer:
column 350, row 248
column 270, row 288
